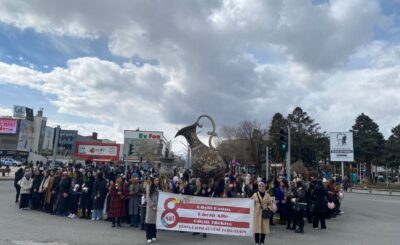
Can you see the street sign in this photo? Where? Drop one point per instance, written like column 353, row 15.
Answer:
column 341, row 144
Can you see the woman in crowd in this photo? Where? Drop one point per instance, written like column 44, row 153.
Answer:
column 300, row 207
column 280, row 200
column 231, row 191
column 76, row 193
column 210, row 188
column 200, row 191
column 261, row 226
column 18, row 176
column 151, row 209
column 248, row 189
column 26, row 188
column 135, row 196
column 118, row 193
column 289, row 206
column 99, row 196
column 36, row 196
column 320, row 201
column 64, row 191
column 54, row 191
column 86, row 197
column 42, row 188
column 47, row 189
column 333, row 197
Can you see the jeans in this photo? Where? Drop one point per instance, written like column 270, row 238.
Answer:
column 135, row 220
column 97, row 214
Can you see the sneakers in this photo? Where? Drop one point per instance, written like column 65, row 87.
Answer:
column 154, row 239
column 149, row 241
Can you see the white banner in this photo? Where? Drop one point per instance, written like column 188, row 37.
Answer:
column 25, row 139
column 341, row 144
column 48, row 139
column 233, row 216
column 152, row 135
column 97, row 150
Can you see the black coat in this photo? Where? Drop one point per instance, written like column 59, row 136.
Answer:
column 18, row 177
column 63, row 187
column 37, row 181
column 86, row 197
column 99, row 193
column 320, row 200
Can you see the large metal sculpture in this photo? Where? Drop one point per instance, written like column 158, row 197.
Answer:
column 206, row 162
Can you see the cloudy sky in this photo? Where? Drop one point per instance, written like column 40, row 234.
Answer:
column 106, row 65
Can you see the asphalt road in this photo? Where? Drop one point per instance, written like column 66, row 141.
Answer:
column 368, row 219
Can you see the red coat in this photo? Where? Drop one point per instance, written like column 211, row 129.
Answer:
column 117, row 201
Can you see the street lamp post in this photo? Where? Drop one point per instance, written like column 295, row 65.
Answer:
column 55, row 146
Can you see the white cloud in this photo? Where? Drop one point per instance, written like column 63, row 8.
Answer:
column 233, row 59
column 5, row 112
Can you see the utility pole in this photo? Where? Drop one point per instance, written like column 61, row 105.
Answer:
column 267, row 164
column 288, row 156
column 55, row 146
column 342, row 172
column 189, row 157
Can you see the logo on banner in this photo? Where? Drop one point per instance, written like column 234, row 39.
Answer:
column 202, row 214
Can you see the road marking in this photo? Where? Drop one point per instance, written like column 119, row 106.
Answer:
column 37, row 243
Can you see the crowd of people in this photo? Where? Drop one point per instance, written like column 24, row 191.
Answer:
column 106, row 193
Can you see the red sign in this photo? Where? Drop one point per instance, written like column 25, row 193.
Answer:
column 8, row 126
column 94, row 150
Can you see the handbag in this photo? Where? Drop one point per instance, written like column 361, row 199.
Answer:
column 265, row 213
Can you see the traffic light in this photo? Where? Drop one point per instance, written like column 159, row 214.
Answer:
column 283, row 139
column 131, row 149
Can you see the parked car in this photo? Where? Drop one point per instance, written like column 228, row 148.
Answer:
column 10, row 162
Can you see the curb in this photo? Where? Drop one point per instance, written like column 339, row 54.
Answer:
column 375, row 194
column 6, row 179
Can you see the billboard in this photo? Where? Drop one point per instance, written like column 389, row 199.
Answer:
column 92, row 150
column 135, row 134
column 48, row 139
column 341, row 147
column 232, row 217
column 23, row 112
column 25, row 139
column 8, row 126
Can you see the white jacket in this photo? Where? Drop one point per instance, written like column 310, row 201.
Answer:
column 26, row 185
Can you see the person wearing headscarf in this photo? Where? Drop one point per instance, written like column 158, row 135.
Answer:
column 320, row 198
column 36, row 195
column 118, row 193
column 99, row 196
column 18, row 176
column 86, row 197
column 64, row 192
column 47, row 192
column 135, row 196
column 26, row 188
column 76, row 194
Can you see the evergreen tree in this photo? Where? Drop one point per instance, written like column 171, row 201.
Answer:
column 278, row 122
column 307, row 143
column 368, row 142
column 392, row 149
